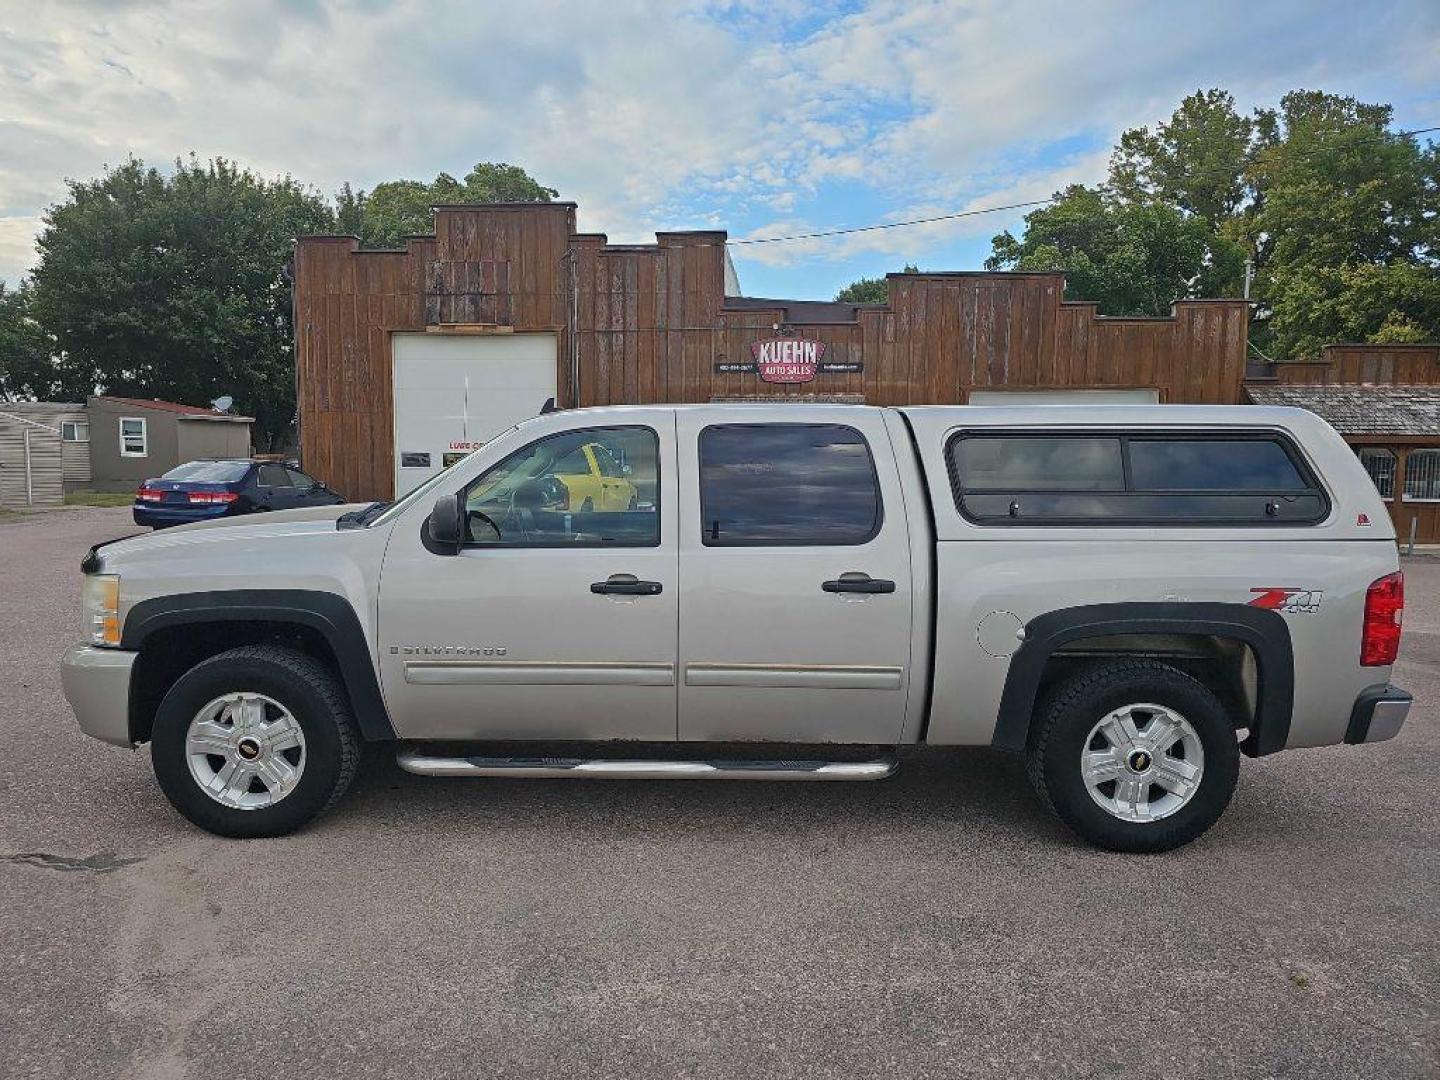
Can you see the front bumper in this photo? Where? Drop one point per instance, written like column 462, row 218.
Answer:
column 1379, row 713
column 97, row 686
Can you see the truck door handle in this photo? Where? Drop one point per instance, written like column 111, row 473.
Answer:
column 855, row 581
column 626, row 585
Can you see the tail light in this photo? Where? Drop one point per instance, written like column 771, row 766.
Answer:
column 212, row 498
column 1384, row 607
column 149, row 494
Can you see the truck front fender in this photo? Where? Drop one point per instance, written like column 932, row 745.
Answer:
column 328, row 614
column 1264, row 632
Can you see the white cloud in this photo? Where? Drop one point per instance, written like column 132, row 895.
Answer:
column 654, row 115
column 903, row 243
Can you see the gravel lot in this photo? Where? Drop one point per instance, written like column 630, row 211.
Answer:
column 936, row 924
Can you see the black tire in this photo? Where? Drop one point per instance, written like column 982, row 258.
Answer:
column 1071, row 710
column 304, row 686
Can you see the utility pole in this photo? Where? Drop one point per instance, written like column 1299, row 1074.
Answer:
column 1249, row 275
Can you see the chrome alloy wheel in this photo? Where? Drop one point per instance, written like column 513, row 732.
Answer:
column 245, row 750
column 1142, row 762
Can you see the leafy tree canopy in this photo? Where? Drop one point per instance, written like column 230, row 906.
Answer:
column 1345, row 226
column 1195, row 161
column 1340, row 218
column 26, row 369
column 870, row 290
column 1132, row 258
column 172, row 285
column 385, row 215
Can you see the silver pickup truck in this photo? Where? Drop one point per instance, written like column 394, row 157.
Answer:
column 1130, row 596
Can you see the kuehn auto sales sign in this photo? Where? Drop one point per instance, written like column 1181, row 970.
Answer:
column 787, row 360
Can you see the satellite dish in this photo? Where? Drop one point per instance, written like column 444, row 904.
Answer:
column 222, row 403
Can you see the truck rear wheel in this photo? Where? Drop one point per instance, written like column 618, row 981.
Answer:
column 256, row 741
column 1134, row 755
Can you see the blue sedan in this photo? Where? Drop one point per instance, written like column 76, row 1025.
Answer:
column 201, row 490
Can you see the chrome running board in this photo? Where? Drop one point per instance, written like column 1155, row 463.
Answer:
column 547, row 768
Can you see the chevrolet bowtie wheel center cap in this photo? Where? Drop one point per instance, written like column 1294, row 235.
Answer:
column 1139, row 761
column 248, row 749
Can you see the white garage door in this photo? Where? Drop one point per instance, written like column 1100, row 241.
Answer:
column 454, row 392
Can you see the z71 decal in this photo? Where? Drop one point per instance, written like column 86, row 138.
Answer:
column 1288, row 601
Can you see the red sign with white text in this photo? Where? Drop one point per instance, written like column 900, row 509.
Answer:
column 787, row 360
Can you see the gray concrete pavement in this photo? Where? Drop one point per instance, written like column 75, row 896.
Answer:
column 936, row 924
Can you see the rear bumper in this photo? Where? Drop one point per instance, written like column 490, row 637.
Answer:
column 1379, row 713
column 97, row 686
column 158, row 515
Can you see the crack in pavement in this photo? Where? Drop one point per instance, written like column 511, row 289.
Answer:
column 102, row 862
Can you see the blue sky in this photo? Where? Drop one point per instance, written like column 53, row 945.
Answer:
column 762, row 118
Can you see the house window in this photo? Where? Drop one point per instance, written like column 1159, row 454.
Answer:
column 1422, row 476
column 75, row 431
column 132, row 437
column 1379, row 462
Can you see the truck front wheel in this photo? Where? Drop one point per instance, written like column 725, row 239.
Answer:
column 1134, row 755
column 254, row 742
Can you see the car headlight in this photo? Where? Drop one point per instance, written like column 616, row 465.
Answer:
column 100, row 599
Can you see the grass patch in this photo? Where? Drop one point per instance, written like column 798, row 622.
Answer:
column 99, row 498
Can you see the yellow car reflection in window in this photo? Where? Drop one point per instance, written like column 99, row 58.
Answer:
column 594, row 480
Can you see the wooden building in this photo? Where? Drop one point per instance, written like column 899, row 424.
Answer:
column 1385, row 401
column 391, row 346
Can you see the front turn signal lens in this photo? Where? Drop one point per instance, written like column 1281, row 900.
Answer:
column 100, row 598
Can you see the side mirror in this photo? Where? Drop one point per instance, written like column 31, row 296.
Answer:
column 447, row 522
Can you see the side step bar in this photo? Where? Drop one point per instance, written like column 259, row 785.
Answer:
column 600, row 769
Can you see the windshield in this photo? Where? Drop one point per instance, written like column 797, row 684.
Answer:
column 209, row 472
column 398, row 507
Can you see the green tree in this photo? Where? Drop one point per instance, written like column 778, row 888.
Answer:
column 27, row 369
column 1196, row 160
column 870, row 290
column 386, row 214
column 1346, row 226
column 172, row 285
column 1132, row 258
column 1340, row 218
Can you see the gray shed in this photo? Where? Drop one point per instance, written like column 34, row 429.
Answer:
column 44, row 452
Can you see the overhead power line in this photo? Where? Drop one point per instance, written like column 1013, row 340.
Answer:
column 996, row 209
column 893, row 224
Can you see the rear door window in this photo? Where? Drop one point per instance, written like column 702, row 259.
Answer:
column 273, row 476
column 787, row 484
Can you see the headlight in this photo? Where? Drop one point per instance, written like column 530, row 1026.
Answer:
column 100, row 598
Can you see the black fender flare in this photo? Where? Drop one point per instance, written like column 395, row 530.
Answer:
column 330, row 614
column 1265, row 632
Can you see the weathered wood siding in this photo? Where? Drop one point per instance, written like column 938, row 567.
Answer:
column 1384, row 365
column 649, row 323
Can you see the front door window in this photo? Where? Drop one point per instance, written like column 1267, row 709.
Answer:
column 568, row 491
